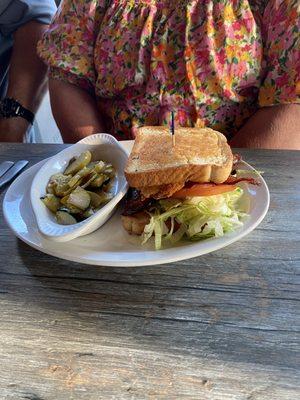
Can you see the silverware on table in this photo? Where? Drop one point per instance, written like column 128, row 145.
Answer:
column 4, row 167
column 9, row 169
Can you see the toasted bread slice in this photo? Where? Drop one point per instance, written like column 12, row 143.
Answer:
column 199, row 155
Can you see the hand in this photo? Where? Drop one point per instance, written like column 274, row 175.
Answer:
column 13, row 129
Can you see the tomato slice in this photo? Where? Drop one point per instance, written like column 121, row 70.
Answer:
column 203, row 189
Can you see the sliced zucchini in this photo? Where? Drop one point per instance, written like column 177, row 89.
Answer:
column 70, row 209
column 75, row 180
column 98, row 181
column 88, row 213
column 109, row 171
column 59, row 179
column 89, row 180
column 64, row 200
column 79, row 198
column 66, row 195
column 92, row 164
column 100, row 167
column 54, row 181
column 59, row 184
column 62, row 190
column 65, row 218
column 97, row 199
column 51, row 202
column 80, row 162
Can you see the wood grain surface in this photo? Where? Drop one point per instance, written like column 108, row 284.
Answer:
column 224, row 326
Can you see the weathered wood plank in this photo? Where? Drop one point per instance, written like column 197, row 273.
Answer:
column 222, row 326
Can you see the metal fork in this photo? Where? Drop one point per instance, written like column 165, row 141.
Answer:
column 9, row 170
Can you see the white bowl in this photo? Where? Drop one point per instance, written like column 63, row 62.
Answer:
column 103, row 147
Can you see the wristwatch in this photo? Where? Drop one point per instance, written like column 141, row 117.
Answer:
column 10, row 108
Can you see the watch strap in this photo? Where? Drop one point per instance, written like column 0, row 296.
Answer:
column 24, row 113
column 10, row 108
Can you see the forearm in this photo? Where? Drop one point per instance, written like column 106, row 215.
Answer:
column 276, row 127
column 28, row 74
column 75, row 111
column 27, row 79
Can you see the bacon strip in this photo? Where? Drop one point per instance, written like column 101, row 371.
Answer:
column 232, row 181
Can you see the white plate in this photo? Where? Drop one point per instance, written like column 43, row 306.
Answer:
column 111, row 245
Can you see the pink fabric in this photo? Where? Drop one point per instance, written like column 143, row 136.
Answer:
column 213, row 62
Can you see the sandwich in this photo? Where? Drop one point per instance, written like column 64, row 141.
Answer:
column 182, row 189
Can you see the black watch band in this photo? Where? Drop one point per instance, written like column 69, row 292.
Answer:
column 10, row 108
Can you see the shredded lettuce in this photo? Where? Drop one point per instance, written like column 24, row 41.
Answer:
column 198, row 218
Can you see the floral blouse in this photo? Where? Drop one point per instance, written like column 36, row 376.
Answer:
column 213, row 62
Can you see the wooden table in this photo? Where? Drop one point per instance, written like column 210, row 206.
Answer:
column 221, row 326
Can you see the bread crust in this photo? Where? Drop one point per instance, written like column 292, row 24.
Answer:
column 210, row 157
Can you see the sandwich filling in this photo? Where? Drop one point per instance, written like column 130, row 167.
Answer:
column 193, row 211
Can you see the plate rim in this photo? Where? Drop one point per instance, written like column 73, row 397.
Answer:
column 164, row 259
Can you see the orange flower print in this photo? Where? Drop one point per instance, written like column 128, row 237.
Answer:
column 214, row 62
column 267, row 95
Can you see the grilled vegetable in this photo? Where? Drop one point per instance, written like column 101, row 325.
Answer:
column 76, row 179
column 66, row 195
column 89, row 180
column 99, row 180
column 70, row 209
column 55, row 181
column 88, row 213
column 100, row 167
column 80, row 162
column 65, row 218
column 109, row 171
column 58, row 184
column 98, row 199
column 79, row 198
column 52, row 202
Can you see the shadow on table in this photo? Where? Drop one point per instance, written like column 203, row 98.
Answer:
column 203, row 308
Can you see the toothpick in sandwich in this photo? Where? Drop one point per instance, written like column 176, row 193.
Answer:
column 172, row 128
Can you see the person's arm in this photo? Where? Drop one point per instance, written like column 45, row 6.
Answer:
column 276, row 124
column 276, row 127
column 68, row 47
column 27, row 79
column 75, row 111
